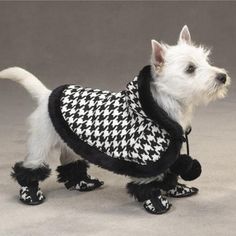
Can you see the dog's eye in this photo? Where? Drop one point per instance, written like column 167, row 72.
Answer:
column 190, row 69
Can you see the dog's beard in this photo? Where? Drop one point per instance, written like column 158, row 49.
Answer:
column 217, row 91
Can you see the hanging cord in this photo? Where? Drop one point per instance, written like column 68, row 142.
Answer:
column 187, row 132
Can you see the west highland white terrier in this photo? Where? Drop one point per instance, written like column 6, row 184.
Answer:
column 137, row 132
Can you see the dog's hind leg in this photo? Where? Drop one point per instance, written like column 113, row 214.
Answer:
column 73, row 172
column 33, row 169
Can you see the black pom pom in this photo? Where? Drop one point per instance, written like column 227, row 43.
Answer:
column 182, row 165
column 194, row 172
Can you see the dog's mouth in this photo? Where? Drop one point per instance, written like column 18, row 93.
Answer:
column 218, row 90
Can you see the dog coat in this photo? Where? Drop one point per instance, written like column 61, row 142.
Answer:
column 125, row 132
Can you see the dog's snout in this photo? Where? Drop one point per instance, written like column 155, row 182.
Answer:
column 221, row 77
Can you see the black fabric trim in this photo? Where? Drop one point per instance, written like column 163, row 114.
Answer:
column 152, row 109
column 99, row 158
column 29, row 177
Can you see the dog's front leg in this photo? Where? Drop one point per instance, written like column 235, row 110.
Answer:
column 150, row 195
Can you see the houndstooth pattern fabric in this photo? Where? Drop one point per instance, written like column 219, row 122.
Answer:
column 25, row 195
column 114, row 123
column 181, row 190
column 157, row 205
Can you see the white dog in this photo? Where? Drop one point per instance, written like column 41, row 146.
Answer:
column 137, row 132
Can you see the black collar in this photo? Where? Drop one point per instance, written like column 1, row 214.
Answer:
column 152, row 109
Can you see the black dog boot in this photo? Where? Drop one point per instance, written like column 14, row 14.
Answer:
column 171, row 188
column 157, row 204
column 87, row 184
column 150, row 195
column 74, row 176
column 31, row 195
column 181, row 190
column 28, row 178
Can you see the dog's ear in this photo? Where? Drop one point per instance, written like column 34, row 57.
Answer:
column 184, row 35
column 158, row 52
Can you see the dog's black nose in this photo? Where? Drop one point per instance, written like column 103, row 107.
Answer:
column 221, row 77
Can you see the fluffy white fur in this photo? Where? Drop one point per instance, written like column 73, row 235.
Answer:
column 42, row 136
column 176, row 91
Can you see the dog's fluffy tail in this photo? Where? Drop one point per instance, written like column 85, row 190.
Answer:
column 32, row 84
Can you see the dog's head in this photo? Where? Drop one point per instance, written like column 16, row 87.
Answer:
column 184, row 72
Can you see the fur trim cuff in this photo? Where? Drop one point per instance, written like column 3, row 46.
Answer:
column 27, row 176
column 72, row 172
column 142, row 192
